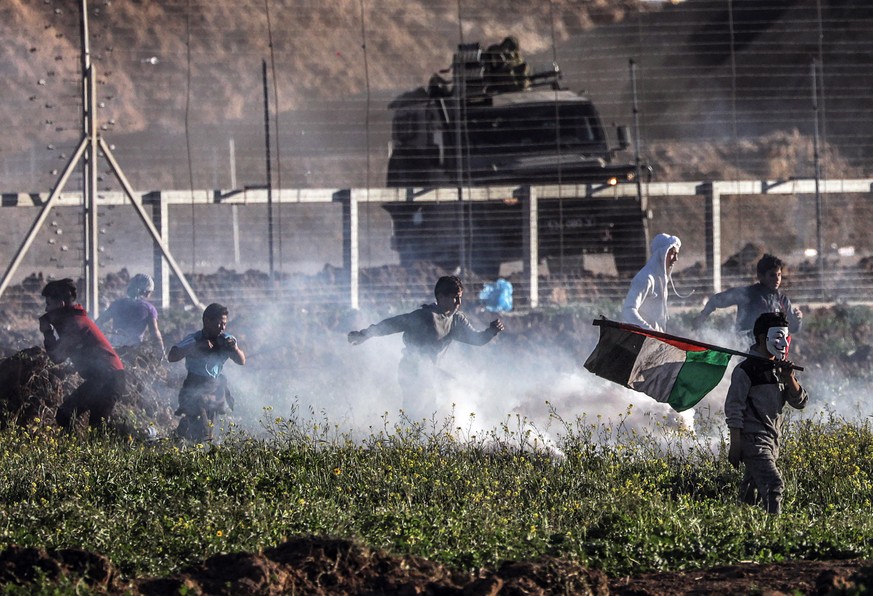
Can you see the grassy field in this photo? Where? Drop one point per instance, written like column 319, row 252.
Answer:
column 612, row 498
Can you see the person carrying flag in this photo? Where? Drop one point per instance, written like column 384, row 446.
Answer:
column 759, row 390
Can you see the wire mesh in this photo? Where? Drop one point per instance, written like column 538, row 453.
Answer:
column 724, row 92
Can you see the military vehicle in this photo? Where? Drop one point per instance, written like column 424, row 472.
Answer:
column 496, row 123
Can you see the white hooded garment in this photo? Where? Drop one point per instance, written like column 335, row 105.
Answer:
column 646, row 301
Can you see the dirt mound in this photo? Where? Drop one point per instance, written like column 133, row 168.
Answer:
column 26, row 566
column 32, row 387
column 328, row 566
column 780, row 155
column 306, row 565
column 316, row 565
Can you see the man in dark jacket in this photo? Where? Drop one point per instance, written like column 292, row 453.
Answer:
column 427, row 334
column 760, row 388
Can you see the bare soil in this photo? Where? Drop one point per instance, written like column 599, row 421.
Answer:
column 317, row 565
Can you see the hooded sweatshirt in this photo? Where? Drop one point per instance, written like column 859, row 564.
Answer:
column 646, row 302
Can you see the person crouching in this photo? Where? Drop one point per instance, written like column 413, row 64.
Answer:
column 68, row 332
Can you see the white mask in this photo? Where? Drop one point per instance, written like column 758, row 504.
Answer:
column 778, row 339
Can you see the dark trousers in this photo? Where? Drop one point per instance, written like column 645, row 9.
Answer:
column 762, row 483
column 97, row 396
column 200, row 400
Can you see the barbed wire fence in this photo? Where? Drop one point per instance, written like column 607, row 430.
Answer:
column 724, row 90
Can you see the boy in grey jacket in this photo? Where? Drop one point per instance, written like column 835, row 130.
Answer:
column 760, row 388
column 427, row 333
column 752, row 301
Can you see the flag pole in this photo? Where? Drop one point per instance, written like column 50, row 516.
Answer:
column 661, row 335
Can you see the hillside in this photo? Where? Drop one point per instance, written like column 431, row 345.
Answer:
column 180, row 82
column 170, row 66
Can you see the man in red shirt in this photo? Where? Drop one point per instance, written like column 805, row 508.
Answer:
column 70, row 333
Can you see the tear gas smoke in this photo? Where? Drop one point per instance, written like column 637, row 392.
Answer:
column 512, row 381
column 520, row 381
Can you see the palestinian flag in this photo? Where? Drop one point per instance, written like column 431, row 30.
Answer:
column 671, row 369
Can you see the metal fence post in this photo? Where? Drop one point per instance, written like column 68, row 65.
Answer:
column 161, row 220
column 531, row 241
column 350, row 242
column 712, row 231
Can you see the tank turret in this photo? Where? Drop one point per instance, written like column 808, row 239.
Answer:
column 496, row 121
column 490, row 119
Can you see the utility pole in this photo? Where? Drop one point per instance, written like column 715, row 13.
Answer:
column 89, row 172
column 88, row 150
column 819, row 244
column 269, row 168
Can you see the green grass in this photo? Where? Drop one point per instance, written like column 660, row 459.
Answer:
column 618, row 499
